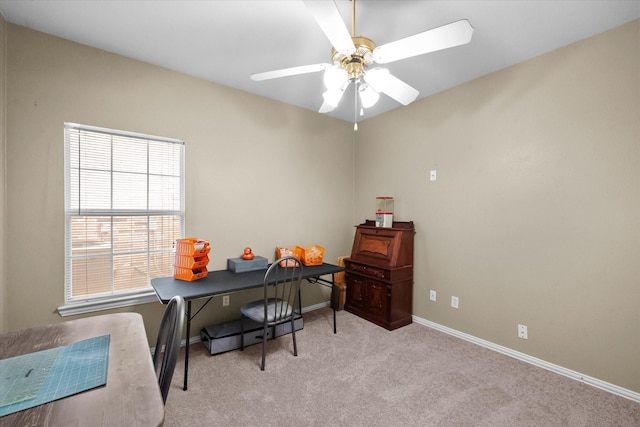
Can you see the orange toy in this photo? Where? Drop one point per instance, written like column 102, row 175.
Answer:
column 247, row 255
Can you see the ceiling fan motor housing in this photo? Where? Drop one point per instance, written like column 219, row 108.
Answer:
column 355, row 62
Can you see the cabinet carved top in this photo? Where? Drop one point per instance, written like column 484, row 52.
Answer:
column 384, row 247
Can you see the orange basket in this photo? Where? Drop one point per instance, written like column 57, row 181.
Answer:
column 192, row 247
column 282, row 251
column 186, row 261
column 189, row 274
column 313, row 255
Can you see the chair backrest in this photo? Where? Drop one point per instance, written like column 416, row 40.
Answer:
column 169, row 337
column 282, row 283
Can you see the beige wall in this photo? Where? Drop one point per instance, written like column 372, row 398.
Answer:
column 535, row 215
column 534, row 218
column 3, row 127
column 258, row 173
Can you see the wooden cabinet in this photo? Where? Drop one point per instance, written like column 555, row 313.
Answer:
column 379, row 274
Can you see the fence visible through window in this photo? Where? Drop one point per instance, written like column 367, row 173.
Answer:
column 124, row 206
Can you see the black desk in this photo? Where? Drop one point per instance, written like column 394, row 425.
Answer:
column 221, row 282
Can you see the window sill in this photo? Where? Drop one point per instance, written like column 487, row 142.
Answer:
column 108, row 303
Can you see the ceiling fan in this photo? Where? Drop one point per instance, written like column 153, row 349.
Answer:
column 353, row 58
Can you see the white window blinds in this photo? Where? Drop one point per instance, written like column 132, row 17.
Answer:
column 124, row 209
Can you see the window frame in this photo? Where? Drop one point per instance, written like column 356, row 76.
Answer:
column 121, row 298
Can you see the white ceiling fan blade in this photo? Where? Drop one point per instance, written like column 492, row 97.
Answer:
column 331, row 98
column 285, row 72
column 326, row 108
column 400, row 91
column 381, row 80
column 450, row 35
column 328, row 18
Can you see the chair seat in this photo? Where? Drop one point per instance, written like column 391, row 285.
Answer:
column 255, row 310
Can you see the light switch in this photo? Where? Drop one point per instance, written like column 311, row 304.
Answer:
column 432, row 175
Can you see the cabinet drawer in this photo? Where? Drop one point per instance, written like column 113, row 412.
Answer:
column 367, row 270
column 386, row 274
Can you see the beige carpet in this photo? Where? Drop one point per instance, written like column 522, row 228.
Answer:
column 368, row 376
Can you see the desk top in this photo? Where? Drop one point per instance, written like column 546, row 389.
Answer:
column 131, row 396
column 225, row 281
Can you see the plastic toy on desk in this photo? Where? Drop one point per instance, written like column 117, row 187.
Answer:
column 247, row 255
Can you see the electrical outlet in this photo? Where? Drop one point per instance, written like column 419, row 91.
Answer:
column 522, row 332
column 454, row 302
column 225, row 300
column 432, row 295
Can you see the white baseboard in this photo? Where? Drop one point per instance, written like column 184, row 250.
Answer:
column 315, row 307
column 603, row 385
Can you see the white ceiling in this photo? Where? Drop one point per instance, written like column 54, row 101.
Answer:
column 226, row 41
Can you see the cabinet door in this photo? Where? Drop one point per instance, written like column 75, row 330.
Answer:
column 356, row 290
column 377, row 298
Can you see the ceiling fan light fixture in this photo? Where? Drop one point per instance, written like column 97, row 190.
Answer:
column 335, row 77
column 368, row 96
column 377, row 78
column 333, row 97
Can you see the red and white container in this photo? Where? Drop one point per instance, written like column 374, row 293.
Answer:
column 384, row 211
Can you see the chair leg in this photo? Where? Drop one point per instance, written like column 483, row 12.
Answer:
column 242, row 334
column 293, row 333
column 264, row 346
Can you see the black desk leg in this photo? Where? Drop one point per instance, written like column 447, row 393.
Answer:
column 333, row 283
column 186, row 346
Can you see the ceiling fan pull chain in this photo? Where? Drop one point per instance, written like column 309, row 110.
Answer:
column 355, row 104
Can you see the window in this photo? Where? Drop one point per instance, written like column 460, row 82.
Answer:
column 124, row 209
